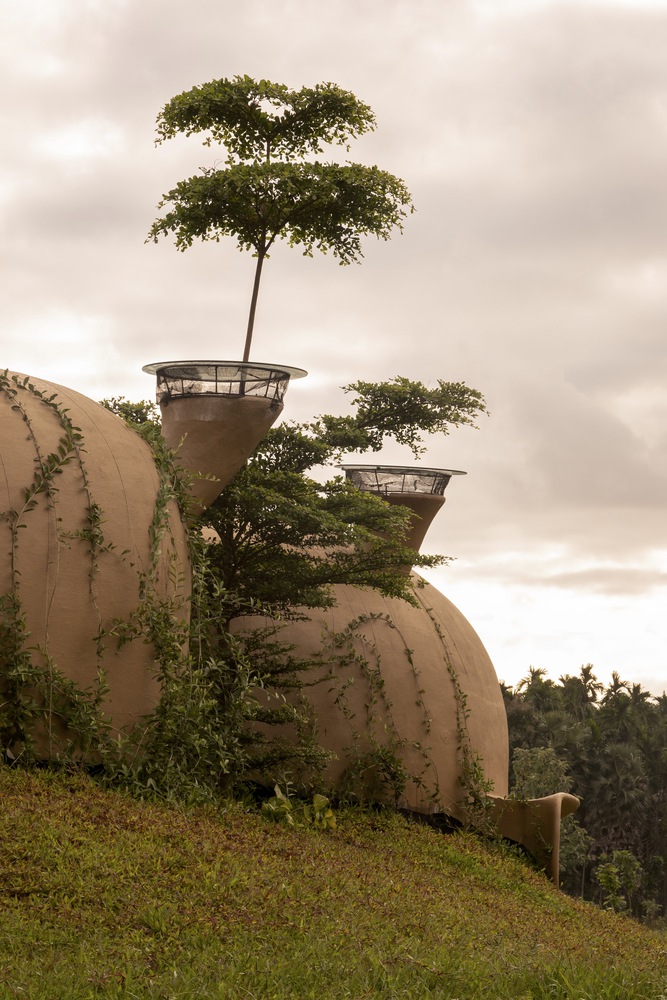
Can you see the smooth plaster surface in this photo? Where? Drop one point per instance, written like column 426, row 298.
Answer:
column 65, row 599
column 417, row 702
column 424, row 507
column 535, row 823
column 215, row 435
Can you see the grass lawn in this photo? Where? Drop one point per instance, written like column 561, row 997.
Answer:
column 103, row 896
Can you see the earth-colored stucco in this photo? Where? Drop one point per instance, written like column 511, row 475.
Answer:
column 424, row 507
column 215, row 436
column 400, row 700
column 68, row 595
column 535, row 823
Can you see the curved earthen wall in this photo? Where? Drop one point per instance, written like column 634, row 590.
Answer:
column 76, row 554
column 391, row 677
column 213, row 437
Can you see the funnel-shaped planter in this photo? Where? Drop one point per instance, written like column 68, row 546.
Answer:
column 420, row 490
column 215, row 413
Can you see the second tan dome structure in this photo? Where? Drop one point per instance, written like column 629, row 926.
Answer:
column 407, row 699
column 405, row 683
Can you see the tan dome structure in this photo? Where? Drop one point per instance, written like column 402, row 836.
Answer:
column 83, row 540
column 407, row 699
column 403, row 685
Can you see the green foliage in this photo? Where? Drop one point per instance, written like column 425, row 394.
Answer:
column 282, row 808
column 607, row 745
column 315, row 206
column 319, row 813
column 619, row 877
column 285, row 538
column 249, row 117
column 267, row 191
column 278, row 808
column 19, row 706
column 398, row 409
column 474, row 783
column 406, row 410
column 538, row 771
column 135, row 414
column 191, row 748
column 375, row 774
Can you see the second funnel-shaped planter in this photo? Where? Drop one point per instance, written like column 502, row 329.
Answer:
column 419, row 490
column 215, row 413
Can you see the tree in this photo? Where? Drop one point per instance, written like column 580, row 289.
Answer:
column 619, row 878
column 580, row 693
column 284, row 538
column 613, row 742
column 268, row 190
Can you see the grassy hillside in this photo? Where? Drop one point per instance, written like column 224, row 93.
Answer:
column 106, row 897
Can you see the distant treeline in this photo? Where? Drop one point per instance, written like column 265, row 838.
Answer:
column 608, row 745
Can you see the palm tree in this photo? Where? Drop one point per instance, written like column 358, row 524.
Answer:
column 580, row 693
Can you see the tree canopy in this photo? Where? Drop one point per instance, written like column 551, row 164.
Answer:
column 607, row 744
column 285, row 538
column 258, row 120
column 267, row 191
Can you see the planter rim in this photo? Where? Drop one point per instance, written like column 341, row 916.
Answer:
column 238, row 371
column 409, row 469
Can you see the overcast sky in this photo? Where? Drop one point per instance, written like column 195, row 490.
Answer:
column 533, row 137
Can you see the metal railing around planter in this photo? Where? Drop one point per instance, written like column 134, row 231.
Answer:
column 385, row 479
column 221, row 378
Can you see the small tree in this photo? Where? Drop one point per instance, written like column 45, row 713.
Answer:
column 619, row 877
column 539, row 771
column 285, row 538
column 268, row 190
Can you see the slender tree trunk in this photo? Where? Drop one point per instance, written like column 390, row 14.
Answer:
column 253, row 304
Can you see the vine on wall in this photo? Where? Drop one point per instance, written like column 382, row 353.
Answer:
column 376, row 754
column 35, row 693
column 43, row 711
column 476, row 787
column 196, row 739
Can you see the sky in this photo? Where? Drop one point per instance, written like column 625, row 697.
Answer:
column 532, row 135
